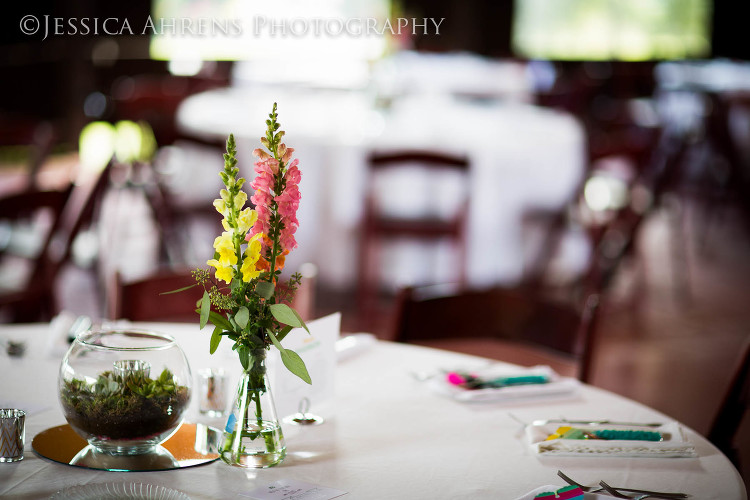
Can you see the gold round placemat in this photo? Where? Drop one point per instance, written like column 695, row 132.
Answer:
column 192, row 444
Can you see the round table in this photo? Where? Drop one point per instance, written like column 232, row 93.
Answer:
column 385, row 435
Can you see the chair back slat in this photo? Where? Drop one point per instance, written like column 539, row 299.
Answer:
column 387, row 218
column 143, row 299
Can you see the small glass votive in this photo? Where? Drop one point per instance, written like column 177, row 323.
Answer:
column 12, row 434
column 212, row 384
column 130, row 367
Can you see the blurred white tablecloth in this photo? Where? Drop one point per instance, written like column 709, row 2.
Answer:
column 522, row 157
column 385, row 436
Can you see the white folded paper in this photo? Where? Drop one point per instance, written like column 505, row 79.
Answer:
column 674, row 443
column 318, row 351
column 556, row 387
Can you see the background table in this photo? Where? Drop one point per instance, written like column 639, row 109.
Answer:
column 522, row 157
column 386, row 435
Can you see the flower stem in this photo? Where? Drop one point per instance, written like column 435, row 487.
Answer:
column 278, row 188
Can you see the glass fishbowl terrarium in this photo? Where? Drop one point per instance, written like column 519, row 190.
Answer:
column 124, row 391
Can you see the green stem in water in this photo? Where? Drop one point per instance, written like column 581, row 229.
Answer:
column 237, row 436
column 258, row 409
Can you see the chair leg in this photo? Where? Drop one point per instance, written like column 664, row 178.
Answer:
column 365, row 280
column 462, row 264
column 680, row 262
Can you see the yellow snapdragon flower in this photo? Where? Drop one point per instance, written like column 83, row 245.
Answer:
column 223, row 273
column 246, row 220
column 252, row 254
column 240, row 199
column 225, row 248
column 227, row 257
column 221, row 207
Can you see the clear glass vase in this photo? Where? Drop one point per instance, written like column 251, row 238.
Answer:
column 253, row 436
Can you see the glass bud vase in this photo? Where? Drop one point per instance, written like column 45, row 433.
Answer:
column 252, row 436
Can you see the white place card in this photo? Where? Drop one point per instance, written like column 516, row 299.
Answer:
column 291, row 489
column 318, row 350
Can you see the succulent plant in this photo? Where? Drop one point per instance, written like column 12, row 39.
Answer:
column 112, row 403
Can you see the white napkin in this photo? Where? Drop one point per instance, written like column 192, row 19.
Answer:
column 556, row 387
column 58, row 343
column 353, row 344
column 674, row 444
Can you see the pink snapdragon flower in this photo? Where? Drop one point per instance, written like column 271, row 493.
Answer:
column 279, row 207
column 288, row 204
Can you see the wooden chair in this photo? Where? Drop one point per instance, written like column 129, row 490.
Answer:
column 72, row 210
column 142, row 299
column 34, row 138
column 504, row 324
column 733, row 408
column 81, row 211
column 29, row 221
column 379, row 225
column 613, row 239
column 155, row 98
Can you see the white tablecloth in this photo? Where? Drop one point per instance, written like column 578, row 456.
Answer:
column 386, row 436
column 522, row 157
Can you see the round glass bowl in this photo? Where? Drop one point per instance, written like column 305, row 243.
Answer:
column 124, row 391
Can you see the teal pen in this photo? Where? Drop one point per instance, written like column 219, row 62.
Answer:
column 517, row 380
column 472, row 382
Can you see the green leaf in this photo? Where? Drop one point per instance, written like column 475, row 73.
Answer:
column 295, row 365
column 219, row 320
column 244, row 353
column 265, row 289
column 275, row 340
column 288, row 316
column 179, row 289
column 242, row 317
column 215, row 339
column 283, row 332
column 291, row 359
column 299, row 318
column 205, row 309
